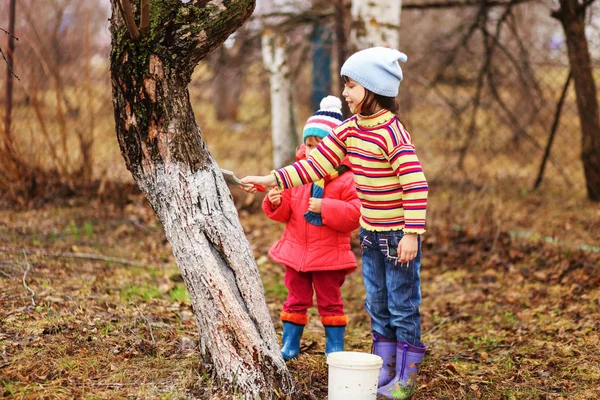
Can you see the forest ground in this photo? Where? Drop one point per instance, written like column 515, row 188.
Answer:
column 508, row 312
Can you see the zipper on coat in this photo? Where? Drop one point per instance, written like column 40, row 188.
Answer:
column 305, row 243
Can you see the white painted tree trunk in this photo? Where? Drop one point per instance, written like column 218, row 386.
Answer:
column 163, row 149
column 375, row 23
column 217, row 265
column 282, row 110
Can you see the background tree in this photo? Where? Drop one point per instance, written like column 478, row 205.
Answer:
column 7, row 150
column 228, row 67
column 572, row 17
column 376, row 23
column 274, row 47
column 164, row 151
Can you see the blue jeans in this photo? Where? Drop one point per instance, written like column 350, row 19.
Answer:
column 393, row 288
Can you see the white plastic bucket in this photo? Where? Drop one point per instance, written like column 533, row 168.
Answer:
column 353, row 375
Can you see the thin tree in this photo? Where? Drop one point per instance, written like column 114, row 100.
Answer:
column 376, row 23
column 7, row 135
column 274, row 47
column 163, row 149
column 572, row 17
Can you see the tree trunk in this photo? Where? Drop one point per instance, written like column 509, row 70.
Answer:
column 8, row 149
column 164, row 151
column 229, row 77
column 321, row 66
column 572, row 17
column 339, row 12
column 376, row 23
column 282, row 112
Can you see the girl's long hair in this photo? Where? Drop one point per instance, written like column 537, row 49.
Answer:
column 369, row 104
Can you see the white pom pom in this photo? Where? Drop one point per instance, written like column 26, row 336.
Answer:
column 331, row 103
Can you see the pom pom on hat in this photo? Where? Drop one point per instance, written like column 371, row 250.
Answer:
column 321, row 123
column 376, row 69
column 331, row 103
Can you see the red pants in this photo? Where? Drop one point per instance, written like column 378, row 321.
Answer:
column 327, row 285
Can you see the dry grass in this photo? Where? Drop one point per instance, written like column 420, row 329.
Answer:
column 503, row 317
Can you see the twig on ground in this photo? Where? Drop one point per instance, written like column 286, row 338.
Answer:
column 71, row 255
column 147, row 322
column 25, row 279
column 496, row 237
column 438, row 326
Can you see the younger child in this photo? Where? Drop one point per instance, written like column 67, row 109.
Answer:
column 393, row 193
column 315, row 246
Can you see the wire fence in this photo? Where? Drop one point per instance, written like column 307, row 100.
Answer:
column 482, row 94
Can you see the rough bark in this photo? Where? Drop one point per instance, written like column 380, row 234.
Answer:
column 571, row 16
column 164, row 151
column 376, row 23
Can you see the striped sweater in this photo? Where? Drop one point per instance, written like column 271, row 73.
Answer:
column 388, row 176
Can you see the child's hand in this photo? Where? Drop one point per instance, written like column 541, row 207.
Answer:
column 275, row 197
column 265, row 181
column 315, row 205
column 408, row 248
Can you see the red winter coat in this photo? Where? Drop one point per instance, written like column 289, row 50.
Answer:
column 307, row 247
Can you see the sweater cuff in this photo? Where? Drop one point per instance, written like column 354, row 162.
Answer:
column 413, row 231
column 277, row 180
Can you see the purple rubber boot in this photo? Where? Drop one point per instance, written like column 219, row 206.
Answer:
column 386, row 349
column 402, row 386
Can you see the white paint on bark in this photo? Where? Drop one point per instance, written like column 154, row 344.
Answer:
column 218, row 267
column 376, row 23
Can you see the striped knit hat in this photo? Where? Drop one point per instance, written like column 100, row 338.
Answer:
column 323, row 121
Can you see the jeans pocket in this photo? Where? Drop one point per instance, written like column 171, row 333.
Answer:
column 365, row 241
column 389, row 247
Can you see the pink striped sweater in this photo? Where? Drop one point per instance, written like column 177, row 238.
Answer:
column 389, row 179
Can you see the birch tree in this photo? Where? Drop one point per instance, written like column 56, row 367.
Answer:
column 275, row 60
column 163, row 149
column 375, row 23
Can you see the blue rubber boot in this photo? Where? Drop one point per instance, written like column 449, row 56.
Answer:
column 386, row 349
column 334, row 339
column 292, row 333
column 402, row 386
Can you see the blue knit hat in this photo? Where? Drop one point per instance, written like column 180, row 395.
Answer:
column 376, row 69
column 321, row 123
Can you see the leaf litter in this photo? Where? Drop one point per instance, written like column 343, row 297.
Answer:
column 504, row 317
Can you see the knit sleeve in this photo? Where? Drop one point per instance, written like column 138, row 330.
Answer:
column 322, row 161
column 407, row 167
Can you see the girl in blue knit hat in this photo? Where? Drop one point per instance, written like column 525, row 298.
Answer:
column 315, row 246
column 393, row 193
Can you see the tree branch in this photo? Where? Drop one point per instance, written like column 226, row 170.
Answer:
column 559, row 106
column 213, row 31
column 127, row 13
column 585, row 5
column 558, row 14
column 25, row 279
column 8, row 33
column 8, row 64
column 144, row 16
